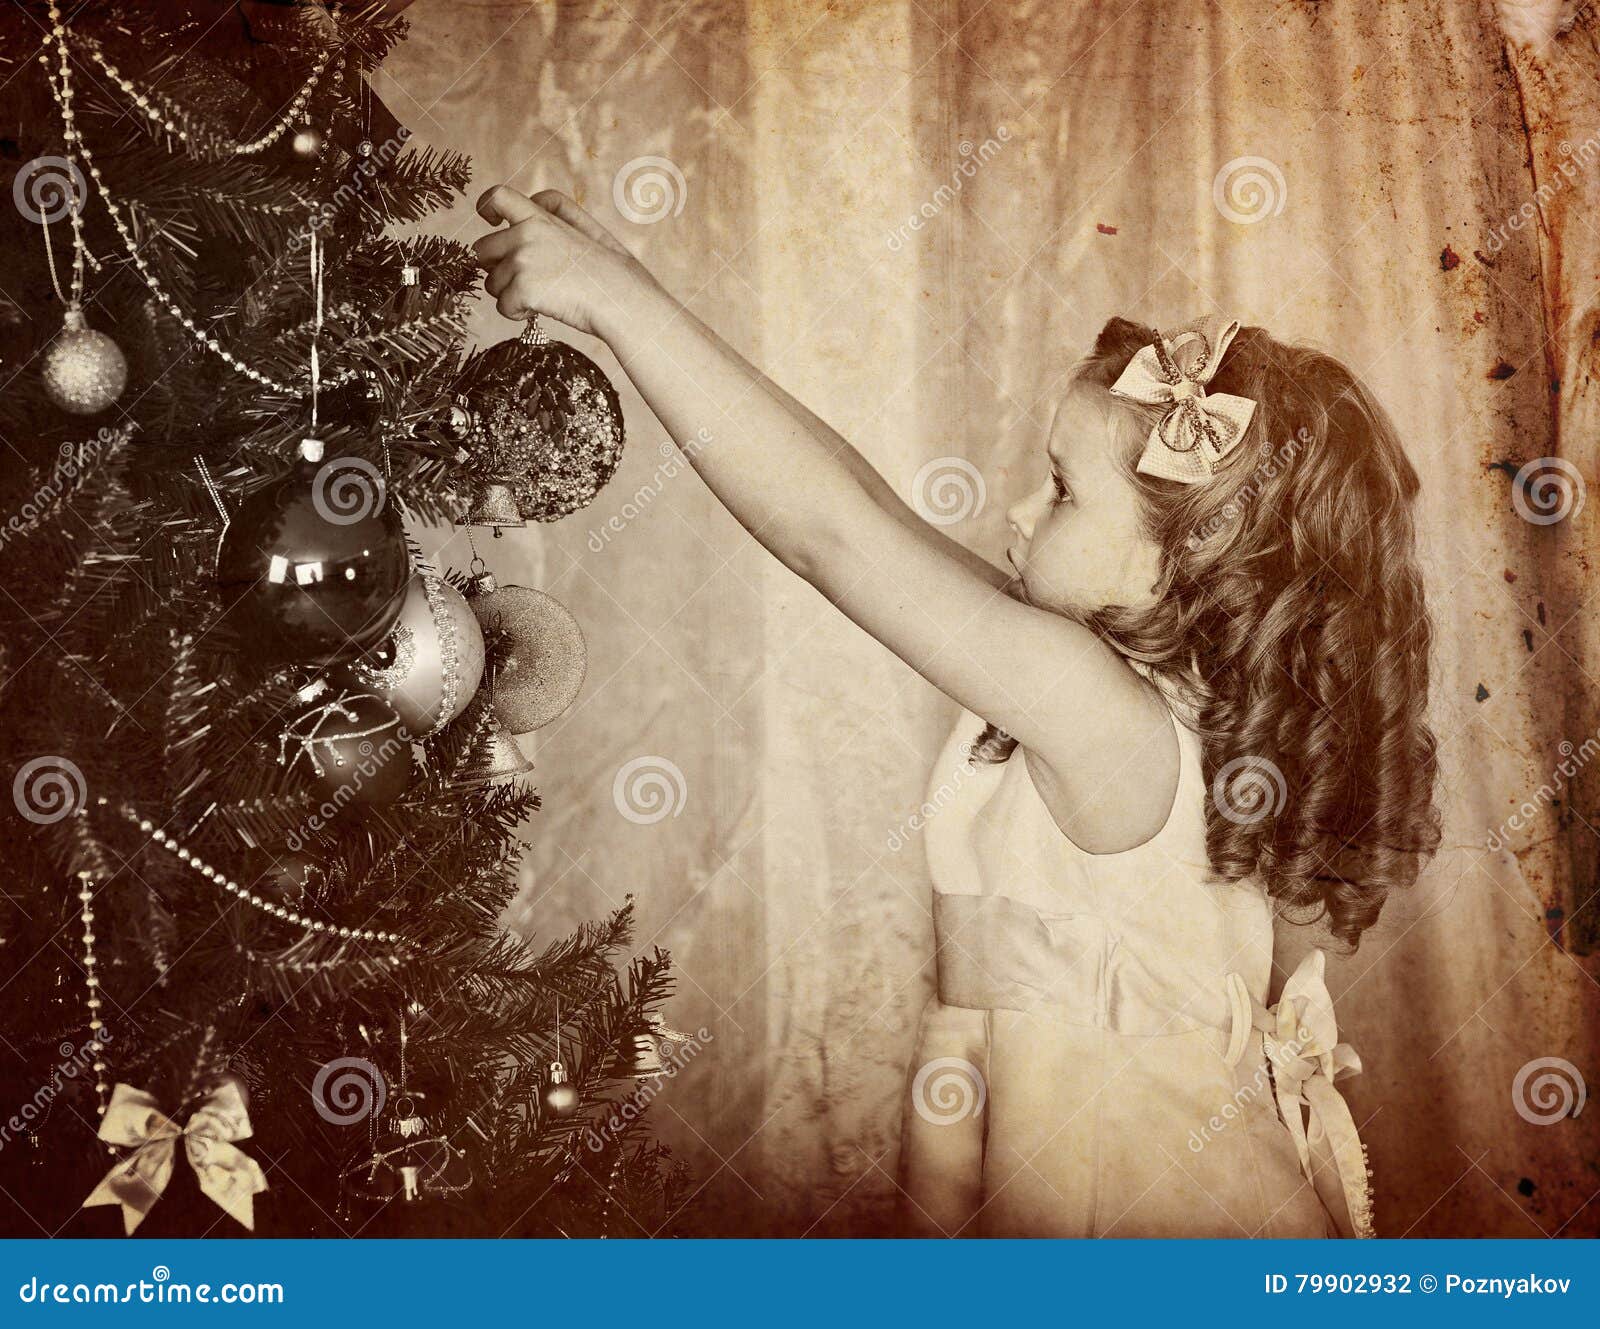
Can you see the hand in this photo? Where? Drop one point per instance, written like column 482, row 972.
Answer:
column 555, row 259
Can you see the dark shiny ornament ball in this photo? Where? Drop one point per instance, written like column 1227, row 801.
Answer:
column 289, row 878
column 352, row 747
column 545, row 420
column 314, row 567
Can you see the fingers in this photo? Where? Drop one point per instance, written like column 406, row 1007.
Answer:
column 504, row 204
column 510, row 297
column 513, row 308
column 494, row 246
column 567, row 209
column 500, row 276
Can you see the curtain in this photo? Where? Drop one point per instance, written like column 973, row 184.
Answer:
column 915, row 215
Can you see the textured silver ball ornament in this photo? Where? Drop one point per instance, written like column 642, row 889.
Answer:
column 84, row 370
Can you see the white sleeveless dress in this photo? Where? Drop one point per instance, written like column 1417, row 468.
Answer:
column 1099, row 1059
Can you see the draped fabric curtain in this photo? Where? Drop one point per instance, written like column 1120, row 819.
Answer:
column 915, row 215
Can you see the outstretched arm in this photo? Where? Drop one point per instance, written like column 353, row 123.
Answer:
column 816, row 504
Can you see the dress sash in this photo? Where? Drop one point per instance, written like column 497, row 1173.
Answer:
column 995, row 953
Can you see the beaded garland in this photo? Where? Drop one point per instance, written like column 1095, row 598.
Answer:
column 91, row 981
column 174, row 120
column 61, row 88
column 170, row 843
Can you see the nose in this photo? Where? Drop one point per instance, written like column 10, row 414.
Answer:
column 1021, row 515
column 1014, row 516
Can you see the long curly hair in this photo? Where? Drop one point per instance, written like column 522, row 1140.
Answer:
column 1290, row 626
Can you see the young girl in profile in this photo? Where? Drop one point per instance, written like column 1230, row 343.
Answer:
column 1201, row 689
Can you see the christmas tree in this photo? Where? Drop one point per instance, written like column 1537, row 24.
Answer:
column 266, row 794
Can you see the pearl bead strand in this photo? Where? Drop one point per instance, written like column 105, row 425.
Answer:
column 228, row 884
column 92, row 983
column 70, row 134
column 61, row 86
column 160, row 111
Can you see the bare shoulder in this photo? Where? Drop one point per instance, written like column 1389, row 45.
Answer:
column 1117, row 790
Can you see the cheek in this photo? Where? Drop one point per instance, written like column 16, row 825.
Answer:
column 1091, row 556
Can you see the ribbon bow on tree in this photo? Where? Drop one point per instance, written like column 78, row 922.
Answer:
column 1190, row 441
column 226, row 1173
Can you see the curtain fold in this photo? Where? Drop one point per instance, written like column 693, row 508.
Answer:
column 915, row 216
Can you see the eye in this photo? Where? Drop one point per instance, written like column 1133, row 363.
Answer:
column 1063, row 494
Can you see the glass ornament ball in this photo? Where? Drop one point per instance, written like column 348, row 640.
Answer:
column 544, row 657
column 429, row 666
column 84, row 371
column 544, row 420
column 313, row 568
column 351, row 746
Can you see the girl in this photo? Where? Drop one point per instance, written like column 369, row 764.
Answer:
column 1202, row 687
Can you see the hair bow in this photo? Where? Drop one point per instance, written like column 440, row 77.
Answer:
column 1190, row 441
column 226, row 1173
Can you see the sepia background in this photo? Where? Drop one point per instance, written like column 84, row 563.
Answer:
column 1398, row 183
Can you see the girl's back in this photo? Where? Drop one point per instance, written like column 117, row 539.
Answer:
column 1107, row 1090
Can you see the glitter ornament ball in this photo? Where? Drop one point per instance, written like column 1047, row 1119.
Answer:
column 544, row 656
column 84, row 370
column 545, row 421
column 314, row 567
column 429, row 666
